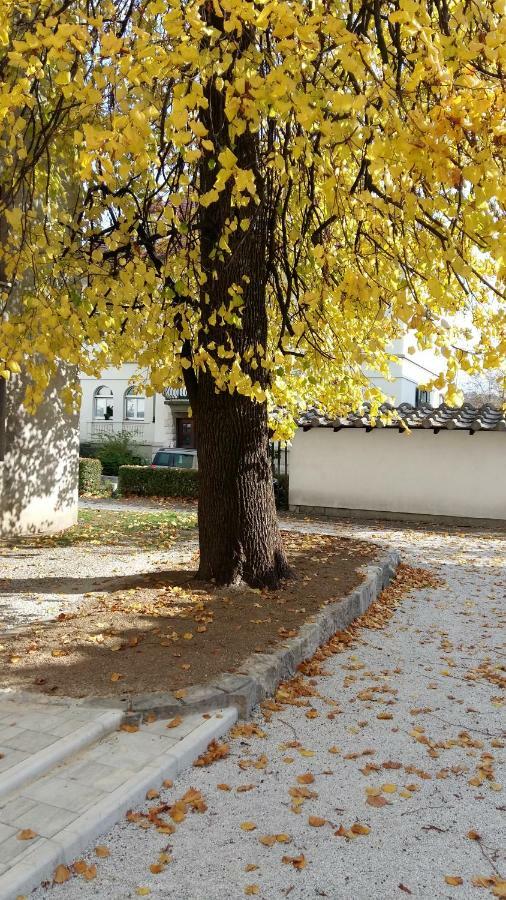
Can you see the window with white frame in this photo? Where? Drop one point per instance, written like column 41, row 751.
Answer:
column 103, row 406
column 135, row 406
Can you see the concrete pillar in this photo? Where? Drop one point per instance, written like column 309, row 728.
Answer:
column 39, row 472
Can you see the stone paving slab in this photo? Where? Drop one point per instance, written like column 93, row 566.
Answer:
column 89, row 792
column 34, row 737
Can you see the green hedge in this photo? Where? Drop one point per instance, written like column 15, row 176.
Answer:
column 90, row 476
column 171, row 482
column 166, row 482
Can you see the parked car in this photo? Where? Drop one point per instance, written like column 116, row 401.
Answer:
column 174, row 457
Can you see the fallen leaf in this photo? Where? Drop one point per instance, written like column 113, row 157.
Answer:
column 90, row 873
column 62, row 874
column 454, row 880
column 298, row 862
column 175, row 722
column 215, row 751
column 316, row 821
column 223, row 787
column 131, row 729
column 251, row 889
column 305, row 779
column 26, row 835
column 152, row 794
column 102, row 851
column 247, row 826
column 474, row 836
column 142, row 891
column 250, row 867
column 403, row 887
column 116, row 676
column 384, row 715
column 377, row 801
column 357, row 828
column 168, row 783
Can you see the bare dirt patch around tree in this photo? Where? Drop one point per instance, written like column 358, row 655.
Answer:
column 174, row 631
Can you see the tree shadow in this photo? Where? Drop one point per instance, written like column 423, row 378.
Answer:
column 95, row 584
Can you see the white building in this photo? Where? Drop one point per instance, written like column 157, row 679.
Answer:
column 110, row 404
column 409, row 371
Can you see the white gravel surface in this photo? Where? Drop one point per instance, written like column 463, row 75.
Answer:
column 427, row 658
column 38, row 583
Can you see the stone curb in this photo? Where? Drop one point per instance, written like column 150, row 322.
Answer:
column 263, row 672
column 77, row 837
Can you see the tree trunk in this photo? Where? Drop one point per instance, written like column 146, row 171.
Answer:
column 238, row 532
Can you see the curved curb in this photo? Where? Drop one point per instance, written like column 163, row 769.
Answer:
column 263, row 672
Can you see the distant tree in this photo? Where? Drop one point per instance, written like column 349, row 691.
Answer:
column 486, row 387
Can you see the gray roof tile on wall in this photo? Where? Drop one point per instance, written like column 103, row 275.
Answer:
column 460, row 418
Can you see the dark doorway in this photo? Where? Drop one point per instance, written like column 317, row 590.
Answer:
column 185, row 428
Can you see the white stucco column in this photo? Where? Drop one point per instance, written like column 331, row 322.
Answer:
column 38, row 476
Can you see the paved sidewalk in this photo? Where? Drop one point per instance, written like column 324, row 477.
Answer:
column 49, row 820
column 405, row 744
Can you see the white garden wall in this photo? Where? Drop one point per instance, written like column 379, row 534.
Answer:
column 451, row 473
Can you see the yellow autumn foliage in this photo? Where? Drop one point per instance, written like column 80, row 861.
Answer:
column 380, row 148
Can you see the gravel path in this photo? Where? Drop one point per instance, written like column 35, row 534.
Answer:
column 36, row 584
column 436, row 720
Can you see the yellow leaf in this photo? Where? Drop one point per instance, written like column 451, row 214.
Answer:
column 102, row 851
column 62, row 874
column 357, row 828
column 251, row 889
column 175, row 722
column 248, row 826
column 26, row 835
column 453, row 880
column 316, row 821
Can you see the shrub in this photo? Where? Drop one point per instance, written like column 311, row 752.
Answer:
column 166, row 482
column 117, row 450
column 90, row 476
column 87, row 450
column 171, row 482
column 281, row 491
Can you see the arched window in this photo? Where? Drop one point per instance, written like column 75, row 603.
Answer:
column 135, row 405
column 103, row 407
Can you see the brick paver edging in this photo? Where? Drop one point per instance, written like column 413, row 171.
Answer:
column 261, row 673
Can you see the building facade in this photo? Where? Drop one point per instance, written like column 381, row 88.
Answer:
column 110, row 405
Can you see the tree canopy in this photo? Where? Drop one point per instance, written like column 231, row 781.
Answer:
column 145, row 143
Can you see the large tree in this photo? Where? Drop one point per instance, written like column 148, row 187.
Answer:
column 267, row 194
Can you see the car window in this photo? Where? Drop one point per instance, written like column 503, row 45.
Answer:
column 162, row 459
column 181, row 460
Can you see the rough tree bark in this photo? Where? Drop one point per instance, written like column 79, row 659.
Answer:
column 238, row 530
